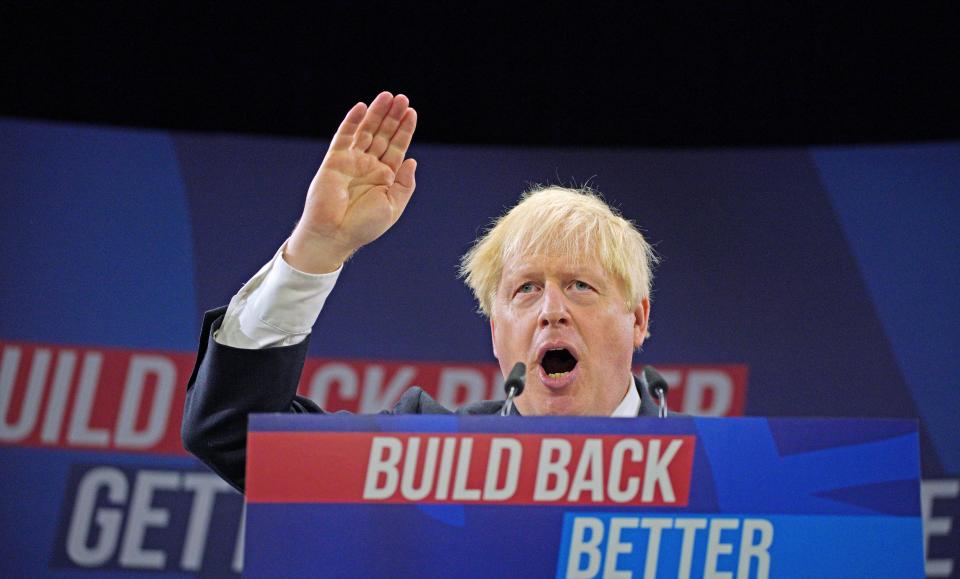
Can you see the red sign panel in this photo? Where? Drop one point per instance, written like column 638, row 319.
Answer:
column 132, row 400
column 524, row 469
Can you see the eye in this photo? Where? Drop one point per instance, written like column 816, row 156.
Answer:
column 581, row 286
column 526, row 288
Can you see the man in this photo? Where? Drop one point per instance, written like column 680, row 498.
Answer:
column 564, row 280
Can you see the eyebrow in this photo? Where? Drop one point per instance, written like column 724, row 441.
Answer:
column 531, row 271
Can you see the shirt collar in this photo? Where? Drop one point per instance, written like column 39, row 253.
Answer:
column 630, row 405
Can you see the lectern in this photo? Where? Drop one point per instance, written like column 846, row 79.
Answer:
column 449, row 496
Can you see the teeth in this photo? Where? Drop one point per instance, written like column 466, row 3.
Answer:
column 558, row 374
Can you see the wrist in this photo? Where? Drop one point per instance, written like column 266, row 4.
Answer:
column 314, row 255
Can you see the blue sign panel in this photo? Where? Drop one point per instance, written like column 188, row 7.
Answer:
column 382, row 496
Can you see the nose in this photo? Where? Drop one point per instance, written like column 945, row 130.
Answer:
column 553, row 307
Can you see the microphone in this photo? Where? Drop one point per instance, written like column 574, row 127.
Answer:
column 513, row 386
column 657, row 387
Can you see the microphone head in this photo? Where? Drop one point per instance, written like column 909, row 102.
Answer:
column 516, row 379
column 654, row 381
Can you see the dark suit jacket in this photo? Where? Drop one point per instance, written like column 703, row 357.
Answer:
column 229, row 383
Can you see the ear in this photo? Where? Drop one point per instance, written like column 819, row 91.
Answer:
column 641, row 322
column 493, row 338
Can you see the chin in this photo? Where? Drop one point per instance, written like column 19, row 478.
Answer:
column 552, row 403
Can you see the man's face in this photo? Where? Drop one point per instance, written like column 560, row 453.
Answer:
column 570, row 325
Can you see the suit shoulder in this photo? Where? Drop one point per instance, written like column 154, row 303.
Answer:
column 416, row 401
column 481, row 408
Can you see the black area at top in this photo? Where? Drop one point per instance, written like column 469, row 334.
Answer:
column 658, row 74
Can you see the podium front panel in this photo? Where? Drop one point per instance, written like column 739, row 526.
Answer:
column 443, row 496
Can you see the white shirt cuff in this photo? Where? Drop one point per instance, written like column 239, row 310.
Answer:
column 277, row 307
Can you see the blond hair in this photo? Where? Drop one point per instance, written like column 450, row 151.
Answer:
column 558, row 221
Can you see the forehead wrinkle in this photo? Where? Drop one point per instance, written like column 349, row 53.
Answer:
column 564, row 266
column 556, row 241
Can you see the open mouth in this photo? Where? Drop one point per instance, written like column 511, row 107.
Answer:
column 558, row 363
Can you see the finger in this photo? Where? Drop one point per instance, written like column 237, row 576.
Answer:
column 381, row 139
column 404, row 184
column 371, row 121
column 401, row 140
column 344, row 135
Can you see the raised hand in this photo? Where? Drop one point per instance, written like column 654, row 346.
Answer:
column 361, row 188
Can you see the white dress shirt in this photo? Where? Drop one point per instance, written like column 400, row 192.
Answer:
column 280, row 304
column 277, row 307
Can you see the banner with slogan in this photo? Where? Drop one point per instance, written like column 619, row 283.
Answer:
column 582, row 497
column 129, row 400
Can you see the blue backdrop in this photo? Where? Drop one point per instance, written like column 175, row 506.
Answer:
column 832, row 273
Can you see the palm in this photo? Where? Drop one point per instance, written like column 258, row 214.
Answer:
column 364, row 183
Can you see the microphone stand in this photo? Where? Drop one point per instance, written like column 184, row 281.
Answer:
column 657, row 387
column 513, row 386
